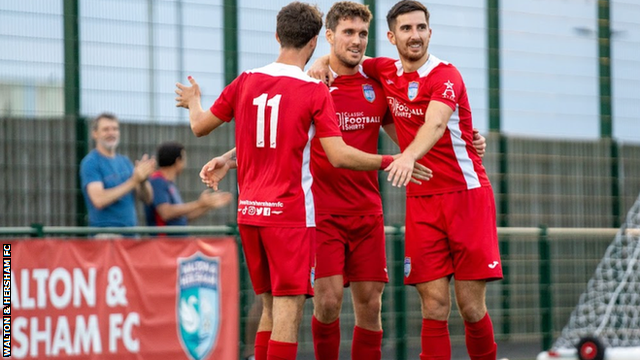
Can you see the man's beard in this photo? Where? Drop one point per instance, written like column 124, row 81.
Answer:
column 411, row 56
column 348, row 61
column 110, row 145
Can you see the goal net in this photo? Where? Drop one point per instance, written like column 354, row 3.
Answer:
column 609, row 309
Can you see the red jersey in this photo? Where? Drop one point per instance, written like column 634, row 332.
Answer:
column 455, row 163
column 278, row 110
column 361, row 108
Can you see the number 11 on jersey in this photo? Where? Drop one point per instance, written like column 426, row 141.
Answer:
column 274, row 103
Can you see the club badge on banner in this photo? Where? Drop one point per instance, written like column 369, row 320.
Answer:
column 124, row 299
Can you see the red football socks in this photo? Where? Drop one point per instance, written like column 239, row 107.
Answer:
column 436, row 344
column 481, row 344
column 326, row 339
column 261, row 345
column 367, row 344
column 282, row 350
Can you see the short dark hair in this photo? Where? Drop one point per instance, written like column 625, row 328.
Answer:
column 104, row 115
column 403, row 7
column 168, row 153
column 346, row 10
column 297, row 23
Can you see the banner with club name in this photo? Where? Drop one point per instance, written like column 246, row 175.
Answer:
column 164, row 298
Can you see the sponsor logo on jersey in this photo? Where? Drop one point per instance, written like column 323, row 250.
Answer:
column 368, row 92
column 332, row 88
column 412, row 93
column 407, row 266
column 198, row 305
column 400, row 109
column 448, row 92
column 355, row 120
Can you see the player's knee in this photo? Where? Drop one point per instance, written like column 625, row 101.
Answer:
column 437, row 308
column 472, row 311
column 327, row 307
column 369, row 305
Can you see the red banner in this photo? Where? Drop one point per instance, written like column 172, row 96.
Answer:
column 124, row 299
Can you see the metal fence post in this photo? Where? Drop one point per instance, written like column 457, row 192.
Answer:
column 546, row 310
column 399, row 297
column 39, row 228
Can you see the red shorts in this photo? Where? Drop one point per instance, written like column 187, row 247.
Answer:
column 352, row 246
column 280, row 260
column 452, row 234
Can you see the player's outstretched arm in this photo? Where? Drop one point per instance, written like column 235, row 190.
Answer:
column 430, row 132
column 202, row 121
column 341, row 155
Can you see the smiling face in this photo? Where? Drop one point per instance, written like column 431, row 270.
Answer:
column 411, row 35
column 349, row 41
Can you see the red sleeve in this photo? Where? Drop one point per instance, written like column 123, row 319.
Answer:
column 324, row 115
column 372, row 66
column 446, row 85
column 225, row 105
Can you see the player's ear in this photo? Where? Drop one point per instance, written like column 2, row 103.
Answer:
column 392, row 37
column 313, row 42
column 277, row 38
column 329, row 35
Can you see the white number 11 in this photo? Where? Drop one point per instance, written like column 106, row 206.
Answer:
column 274, row 103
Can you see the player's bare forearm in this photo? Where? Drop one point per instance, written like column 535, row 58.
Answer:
column 201, row 121
column 230, row 157
column 341, row 155
column 430, row 132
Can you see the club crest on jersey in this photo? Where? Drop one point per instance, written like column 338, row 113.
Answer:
column 198, row 304
column 368, row 92
column 448, row 92
column 412, row 93
column 407, row 266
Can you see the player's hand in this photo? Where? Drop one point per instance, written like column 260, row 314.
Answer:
column 143, row 168
column 320, row 70
column 214, row 171
column 479, row 142
column 420, row 172
column 400, row 170
column 214, row 200
column 186, row 94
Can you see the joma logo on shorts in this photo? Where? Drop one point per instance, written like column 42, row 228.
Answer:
column 495, row 263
